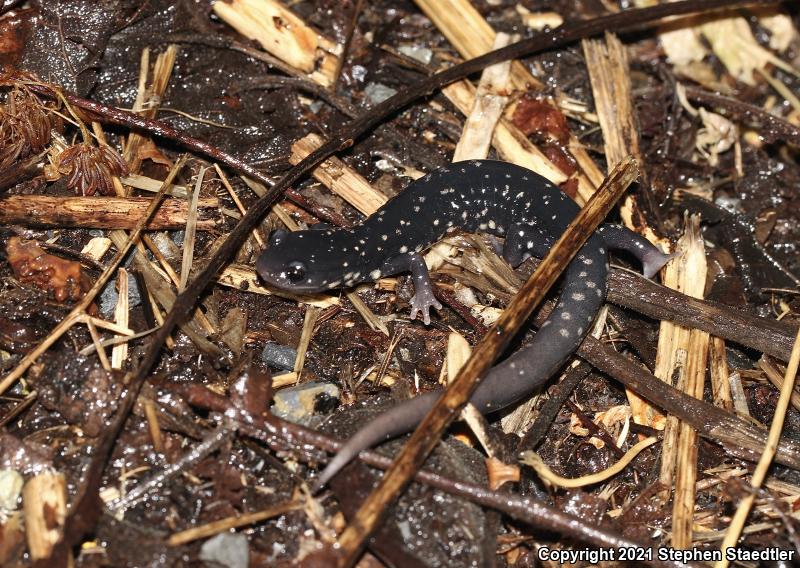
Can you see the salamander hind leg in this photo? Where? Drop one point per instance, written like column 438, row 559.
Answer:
column 524, row 241
column 423, row 299
column 621, row 238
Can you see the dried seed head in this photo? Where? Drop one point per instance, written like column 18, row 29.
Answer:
column 91, row 168
column 24, row 127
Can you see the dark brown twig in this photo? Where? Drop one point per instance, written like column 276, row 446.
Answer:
column 646, row 297
column 348, row 40
column 774, row 127
column 549, row 410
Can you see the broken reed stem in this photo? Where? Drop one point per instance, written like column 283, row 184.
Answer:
column 340, row 178
column 44, row 501
column 79, row 310
column 191, row 232
column 119, row 353
column 764, row 463
column 682, row 352
column 309, row 322
column 490, row 100
column 609, row 74
column 720, row 375
column 430, row 430
column 162, row 72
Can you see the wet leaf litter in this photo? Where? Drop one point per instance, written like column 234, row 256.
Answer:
column 142, row 190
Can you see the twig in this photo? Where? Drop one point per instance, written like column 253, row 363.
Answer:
column 348, row 40
column 47, row 211
column 549, row 410
column 222, row 525
column 774, row 126
column 646, row 297
column 209, row 444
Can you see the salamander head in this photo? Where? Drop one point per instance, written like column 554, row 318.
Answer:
column 306, row 261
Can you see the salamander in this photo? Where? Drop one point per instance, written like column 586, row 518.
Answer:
column 474, row 196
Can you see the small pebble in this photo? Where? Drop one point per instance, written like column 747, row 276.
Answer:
column 226, row 549
column 280, row 357
column 377, row 93
column 359, row 72
column 421, row 54
column 109, row 296
column 300, row 403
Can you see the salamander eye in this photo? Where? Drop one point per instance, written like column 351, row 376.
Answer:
column 295, row 271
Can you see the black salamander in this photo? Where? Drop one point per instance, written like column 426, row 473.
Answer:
column 479, row 195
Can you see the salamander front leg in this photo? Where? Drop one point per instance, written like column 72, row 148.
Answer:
column 423, row 299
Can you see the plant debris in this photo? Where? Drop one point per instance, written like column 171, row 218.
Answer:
column 148, row 152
